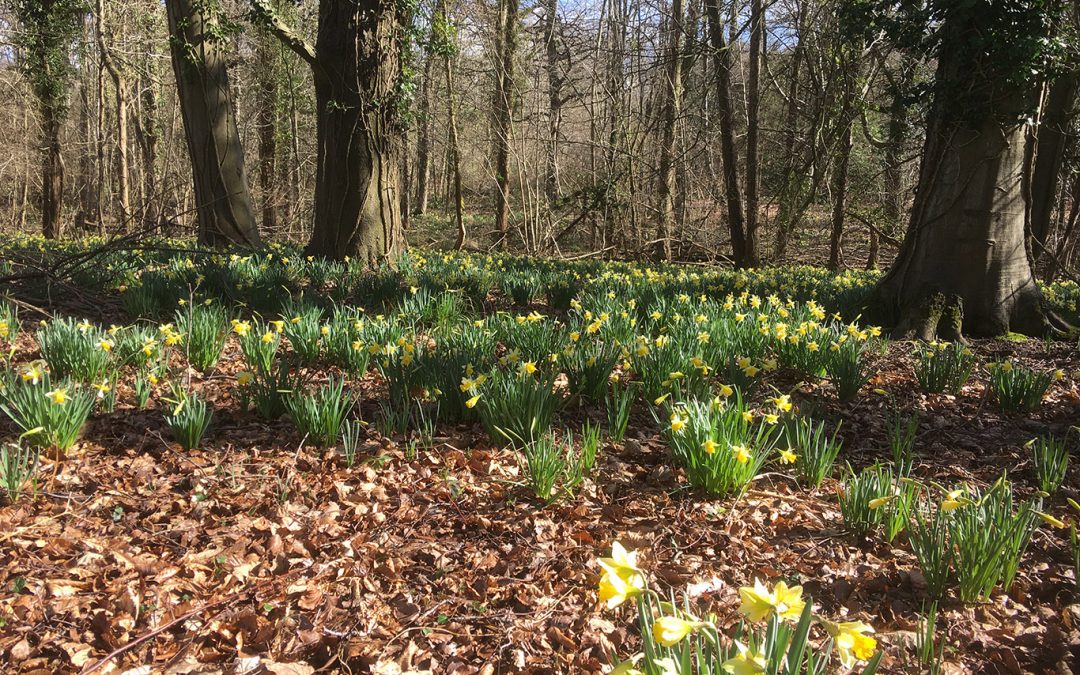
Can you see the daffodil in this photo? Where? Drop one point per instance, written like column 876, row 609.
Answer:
column 878, row 502
column 244, row 378
column 787, row 456
column 709, row 446
column 671, row 630
column 745, row 662
column 1051, row 520
column 32, row 374
column 621, row 578
column 852, row 641
column 678, row 423
column 58, row 396
column 471, row 403
column 782, row 403
column 759, row 603
column 953, row 500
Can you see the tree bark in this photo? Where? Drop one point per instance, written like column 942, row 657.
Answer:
column 1053, row 136
column 222, row 199
column 266, row 94
column 672, row 99
column 52, row 174
column 964, row 264
column 753, row 108
column 506, row 47
column 839, row 198
column 454, row 147
column 423, row 141
column 722, row 68
column 120, row 86
column 895, row 141
column 555, row 79
column 357, row 68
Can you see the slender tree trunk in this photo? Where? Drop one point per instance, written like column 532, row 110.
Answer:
column 895, row 141
column 503, row 106
column 722, row 72
column 1068, row 229
column 788, row 191
column 423, row 141
column 839, row 197
column 672, row 100
column 753, row 109
column 120, row 86
column 454, row 148
column 146, row 130
column 123, row 163
column 52, row 174
column 555, row 86
column 225, row 211
column 1053, row 136
column 266, row 96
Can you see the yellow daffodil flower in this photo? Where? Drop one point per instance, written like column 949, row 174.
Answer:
column 671, row 630
column 852, row 641
column 745, row 662
column 677, row 423
column 759, row 603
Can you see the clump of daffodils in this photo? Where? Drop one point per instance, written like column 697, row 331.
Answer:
column 678, row 643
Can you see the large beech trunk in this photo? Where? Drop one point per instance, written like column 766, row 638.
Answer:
column 357, row 71
column 225, row 211
column 964, row 265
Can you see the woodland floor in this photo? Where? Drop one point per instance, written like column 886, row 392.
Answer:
column 258, row 554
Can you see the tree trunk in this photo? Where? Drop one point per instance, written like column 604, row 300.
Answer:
column 1053, row 136
column 555, row 85
column 146, row 131
column 223, row 203
column 454, row 147
column 722, row 68
column 964, row 264
column 121, row 90
column 52, row 174
column 266, row 95
column 423, row 141
column 357, row 68
column 506, row 46
column 753, row 108
column 895, row 141
column 791, row 124
column 672, row 99
column 839, row 197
